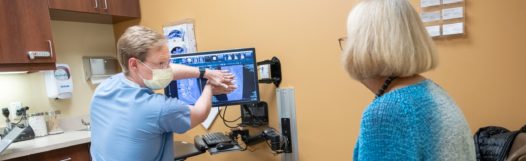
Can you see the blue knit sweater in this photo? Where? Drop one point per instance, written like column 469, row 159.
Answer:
column 416, row 122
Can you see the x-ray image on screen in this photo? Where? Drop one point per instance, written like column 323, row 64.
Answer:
column 240, row 62
column 237, row 70
column 189, row 89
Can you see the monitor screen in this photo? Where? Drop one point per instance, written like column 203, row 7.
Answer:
column 240, row 62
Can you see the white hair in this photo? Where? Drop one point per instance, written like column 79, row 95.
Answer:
column 387, row 38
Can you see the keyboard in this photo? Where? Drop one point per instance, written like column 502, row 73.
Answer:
column 212, row 139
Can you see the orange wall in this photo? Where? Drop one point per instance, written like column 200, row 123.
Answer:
column 483, row 71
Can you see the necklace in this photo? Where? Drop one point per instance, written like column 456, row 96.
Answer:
column 385, row 86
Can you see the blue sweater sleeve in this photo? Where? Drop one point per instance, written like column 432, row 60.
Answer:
column 386, row 133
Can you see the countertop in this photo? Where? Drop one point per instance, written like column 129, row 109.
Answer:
column 46, row 143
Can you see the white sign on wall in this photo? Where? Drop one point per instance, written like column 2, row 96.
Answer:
column 181, row 37
column 453, row 29
column 452, row 13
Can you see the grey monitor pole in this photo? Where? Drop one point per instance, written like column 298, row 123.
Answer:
column 286, row 103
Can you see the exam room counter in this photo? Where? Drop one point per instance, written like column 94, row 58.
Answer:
column 74, row 142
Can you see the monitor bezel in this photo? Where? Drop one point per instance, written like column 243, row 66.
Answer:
column 253, row 50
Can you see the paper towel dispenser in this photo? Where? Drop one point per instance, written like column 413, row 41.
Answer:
column 98, row 68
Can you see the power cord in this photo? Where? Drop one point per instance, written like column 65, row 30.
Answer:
column 243, row 148
column 229, row 121
column 273, row 152
column 257, row 121
column 224, row 116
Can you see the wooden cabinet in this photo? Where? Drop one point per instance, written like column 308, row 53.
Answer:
column 26, row 158
column 124, row 8
column 89, row 6
column 26, row 26
column 120, row 8
column 73, row 153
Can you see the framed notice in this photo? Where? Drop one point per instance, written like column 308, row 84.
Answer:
column 181, row 37
column 444, row 18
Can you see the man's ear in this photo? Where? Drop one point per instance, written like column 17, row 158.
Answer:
column 132, row 64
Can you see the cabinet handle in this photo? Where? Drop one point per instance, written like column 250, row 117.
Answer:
column 96, row 3
column 50, row 48
column 105, row 4
column 67, row 159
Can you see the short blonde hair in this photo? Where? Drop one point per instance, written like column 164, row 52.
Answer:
column 387, row 38
column 135, row 43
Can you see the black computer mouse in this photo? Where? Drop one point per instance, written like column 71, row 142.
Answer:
column 223, row 146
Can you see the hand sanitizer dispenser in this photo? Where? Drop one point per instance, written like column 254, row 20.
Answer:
column 59, row 84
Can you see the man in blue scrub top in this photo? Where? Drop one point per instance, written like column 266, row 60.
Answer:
column 131, row 122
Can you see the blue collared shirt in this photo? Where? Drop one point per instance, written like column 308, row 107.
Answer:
column 133, row 123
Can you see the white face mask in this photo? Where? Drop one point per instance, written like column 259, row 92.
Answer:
column 160, row 78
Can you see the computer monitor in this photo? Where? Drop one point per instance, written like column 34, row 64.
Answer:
column 240, row 62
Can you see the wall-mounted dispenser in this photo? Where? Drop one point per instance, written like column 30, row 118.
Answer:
column 59, row 84
column 269, row 71
column 98, row 68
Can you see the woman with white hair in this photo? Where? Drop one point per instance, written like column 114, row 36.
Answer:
column 411, row 117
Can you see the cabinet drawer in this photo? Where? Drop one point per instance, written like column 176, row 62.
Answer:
column 73, row 153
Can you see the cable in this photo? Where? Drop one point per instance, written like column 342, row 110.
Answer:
column 224, row 116
column 285, row 144
column 20, row 120
column 257, row 121
column 243, row 148
column 249, row 111
column 229, row 125
column 274, row 152
column 268, row 144
column 225, row 121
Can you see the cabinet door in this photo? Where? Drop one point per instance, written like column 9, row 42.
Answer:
column 24, row 158
column 25, row 26
column 89, row 6
column 124, row 8
column 73, row 153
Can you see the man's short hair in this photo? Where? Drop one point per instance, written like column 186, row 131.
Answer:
column 135, row 43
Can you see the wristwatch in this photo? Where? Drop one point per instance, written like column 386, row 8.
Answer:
column 202, row 72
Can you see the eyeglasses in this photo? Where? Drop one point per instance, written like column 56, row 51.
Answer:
column 342, row 41
column 160, row 66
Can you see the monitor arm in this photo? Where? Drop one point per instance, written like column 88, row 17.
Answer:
column 277, row 141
